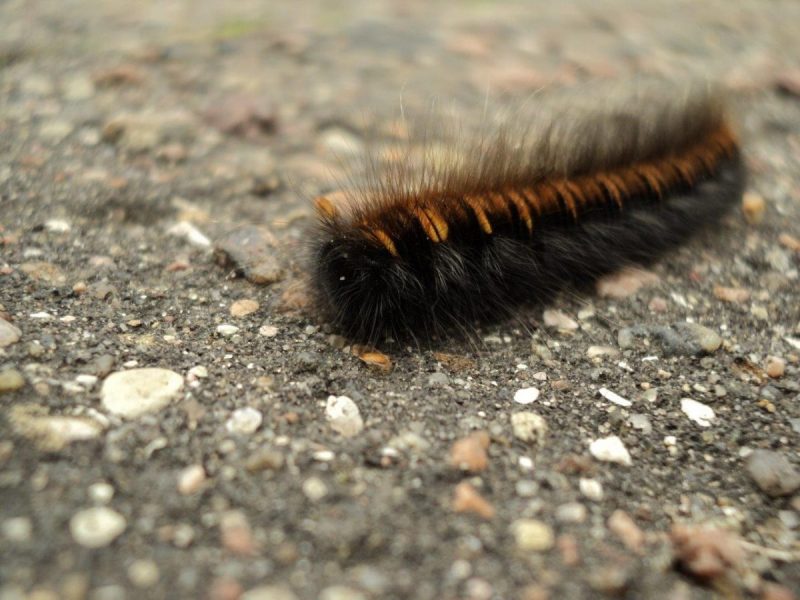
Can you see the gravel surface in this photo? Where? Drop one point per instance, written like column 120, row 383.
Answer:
column 174, row 425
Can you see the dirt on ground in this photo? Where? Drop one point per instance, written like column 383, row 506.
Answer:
column 174, row 424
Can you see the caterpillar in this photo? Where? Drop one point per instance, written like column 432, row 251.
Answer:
column 588, row 184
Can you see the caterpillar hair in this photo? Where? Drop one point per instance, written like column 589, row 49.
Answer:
column 592, row 183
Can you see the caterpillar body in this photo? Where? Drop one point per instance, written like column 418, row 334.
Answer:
column 590, row 184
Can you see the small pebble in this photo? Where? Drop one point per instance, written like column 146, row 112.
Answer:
column 469, row 453
column 17, row 529
column 556, row 319
column 227, row 330
column 438, row 379
column 343, row 416
column 244, row 307
column 101, row 492
column 269, row 592
column 8, row 334
column 341, row 592
column 775, row 367
column 526, row 395
column 610, row 449
column 532, row 535
column 191, row 479
column 467, row 499
column 244, row 421
column 529, row 427
column 236, row 534
column 753, row 207
column 614, row 397
column 773, row 473
column 315, row 489
column 136, row 392
column 96, row 527
column 621, row 524
column 698, row 412
column 732, row 295
column 597, row 351
column 571, row 512
column 625, row 283
column 268, row 331
column 143, row 573
column 11, row 380
column 591, row 489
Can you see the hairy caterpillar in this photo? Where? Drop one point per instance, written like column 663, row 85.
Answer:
column 590, row 184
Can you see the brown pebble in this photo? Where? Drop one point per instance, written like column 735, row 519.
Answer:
column 534, row 591
column 775, row 367
column 706, row 552
column 467, row 499
column 753, row 208
column 244, row 307
column 733, row 295
column 225, row 588
column 626, row 530
column 789, row 241
column 625, row 283
column 237, row 537
column 469, row 453
column 376, row 360
column 657, row 304
column 44, row 271
column 568, row 547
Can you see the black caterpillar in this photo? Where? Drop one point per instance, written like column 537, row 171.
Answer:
column 513, row 219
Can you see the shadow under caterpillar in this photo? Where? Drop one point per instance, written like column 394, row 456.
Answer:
column 587, row 185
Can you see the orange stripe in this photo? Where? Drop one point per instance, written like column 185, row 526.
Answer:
column 522, row 209
column 475, row 204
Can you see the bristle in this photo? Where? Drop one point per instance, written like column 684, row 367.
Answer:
column 512, row 220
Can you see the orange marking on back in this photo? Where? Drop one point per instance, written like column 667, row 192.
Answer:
column 566, row 195
column 531, row 200
column 325, row 208
column 498, row 203
column 522, row 208
column 474, row 202
column 434, row 225
column 385, row 240
column 613, row 189
column 653, row 177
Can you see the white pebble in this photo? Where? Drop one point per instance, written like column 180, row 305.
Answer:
column 610, row 449
column 227, row 330
column 343, row 416
column 614, row 397
column 136, row 392
column 698, row 412
column 529, row 427
column 101, row 492
column 526, row 395
column 591, row 488
column 244, row 421
column 268, row 330
column 191, row 479
column 86, row 380
column 57, row 226
column 96, row 527
column 556, row 319
column 190, row 233
column 315, row 489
